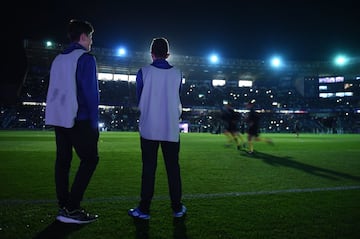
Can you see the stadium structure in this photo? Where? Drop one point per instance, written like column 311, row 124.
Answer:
column 324, row 97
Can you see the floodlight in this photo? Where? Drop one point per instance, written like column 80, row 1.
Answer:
column 214, row 58
column 341, row 60
column 276, row 62
column 49, row 43
column 121, row 51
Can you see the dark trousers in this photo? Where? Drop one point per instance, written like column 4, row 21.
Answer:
column 84, row 140
column 170, row 151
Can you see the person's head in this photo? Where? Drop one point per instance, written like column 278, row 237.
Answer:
column 159, row 48
column 80, row 32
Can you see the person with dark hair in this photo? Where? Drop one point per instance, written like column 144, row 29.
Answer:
column 253, row 124
column 158, row 88
column 72, row 108
column 231, row 121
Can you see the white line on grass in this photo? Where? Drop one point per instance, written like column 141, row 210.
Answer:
column 238, row 194
column 190, row 196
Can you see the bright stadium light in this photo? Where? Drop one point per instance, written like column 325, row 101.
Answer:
column 214, row 58
column 341, row 60
column 276, row 62
column 49, row 43
column 121, row 51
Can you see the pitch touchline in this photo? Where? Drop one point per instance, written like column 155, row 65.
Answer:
column 238, row 194
column 190, row 196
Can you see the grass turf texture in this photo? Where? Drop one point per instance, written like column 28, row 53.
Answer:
column 306, row 187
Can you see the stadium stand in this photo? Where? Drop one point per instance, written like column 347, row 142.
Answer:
column 282, row 95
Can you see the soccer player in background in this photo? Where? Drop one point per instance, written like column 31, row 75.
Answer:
column 253, row 124
column 231, row 121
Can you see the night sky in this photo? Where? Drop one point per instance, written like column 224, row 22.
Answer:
column 295, row 30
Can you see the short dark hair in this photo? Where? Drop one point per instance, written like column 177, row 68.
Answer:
column 160, row 47
column 78, row 27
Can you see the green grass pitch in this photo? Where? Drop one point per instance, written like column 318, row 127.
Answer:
column 305, row 187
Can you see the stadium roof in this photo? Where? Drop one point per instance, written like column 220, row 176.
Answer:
column 194, row 68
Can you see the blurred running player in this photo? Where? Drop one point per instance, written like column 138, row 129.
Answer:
column 231, row 121
column 253, row 131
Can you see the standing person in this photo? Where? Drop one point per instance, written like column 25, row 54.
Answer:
column 158, row 88
column 297, row 128
column 72, row 108
column 253, row 131
column 231, row 120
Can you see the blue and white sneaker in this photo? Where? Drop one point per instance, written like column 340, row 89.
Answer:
column 136, row 213
column 181, row 213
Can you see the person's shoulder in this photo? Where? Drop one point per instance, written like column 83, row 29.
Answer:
column 176, row 70
column 88, row 56
column 145, row 68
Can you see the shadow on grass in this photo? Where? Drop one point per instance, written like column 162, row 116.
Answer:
column 180, row 228
column 58, row 230
column 289, row 162
column 142, row 228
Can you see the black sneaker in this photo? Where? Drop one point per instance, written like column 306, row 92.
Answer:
column 78, row 216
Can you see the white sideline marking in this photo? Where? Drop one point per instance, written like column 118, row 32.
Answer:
column 302, row 190
column 190, row 196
